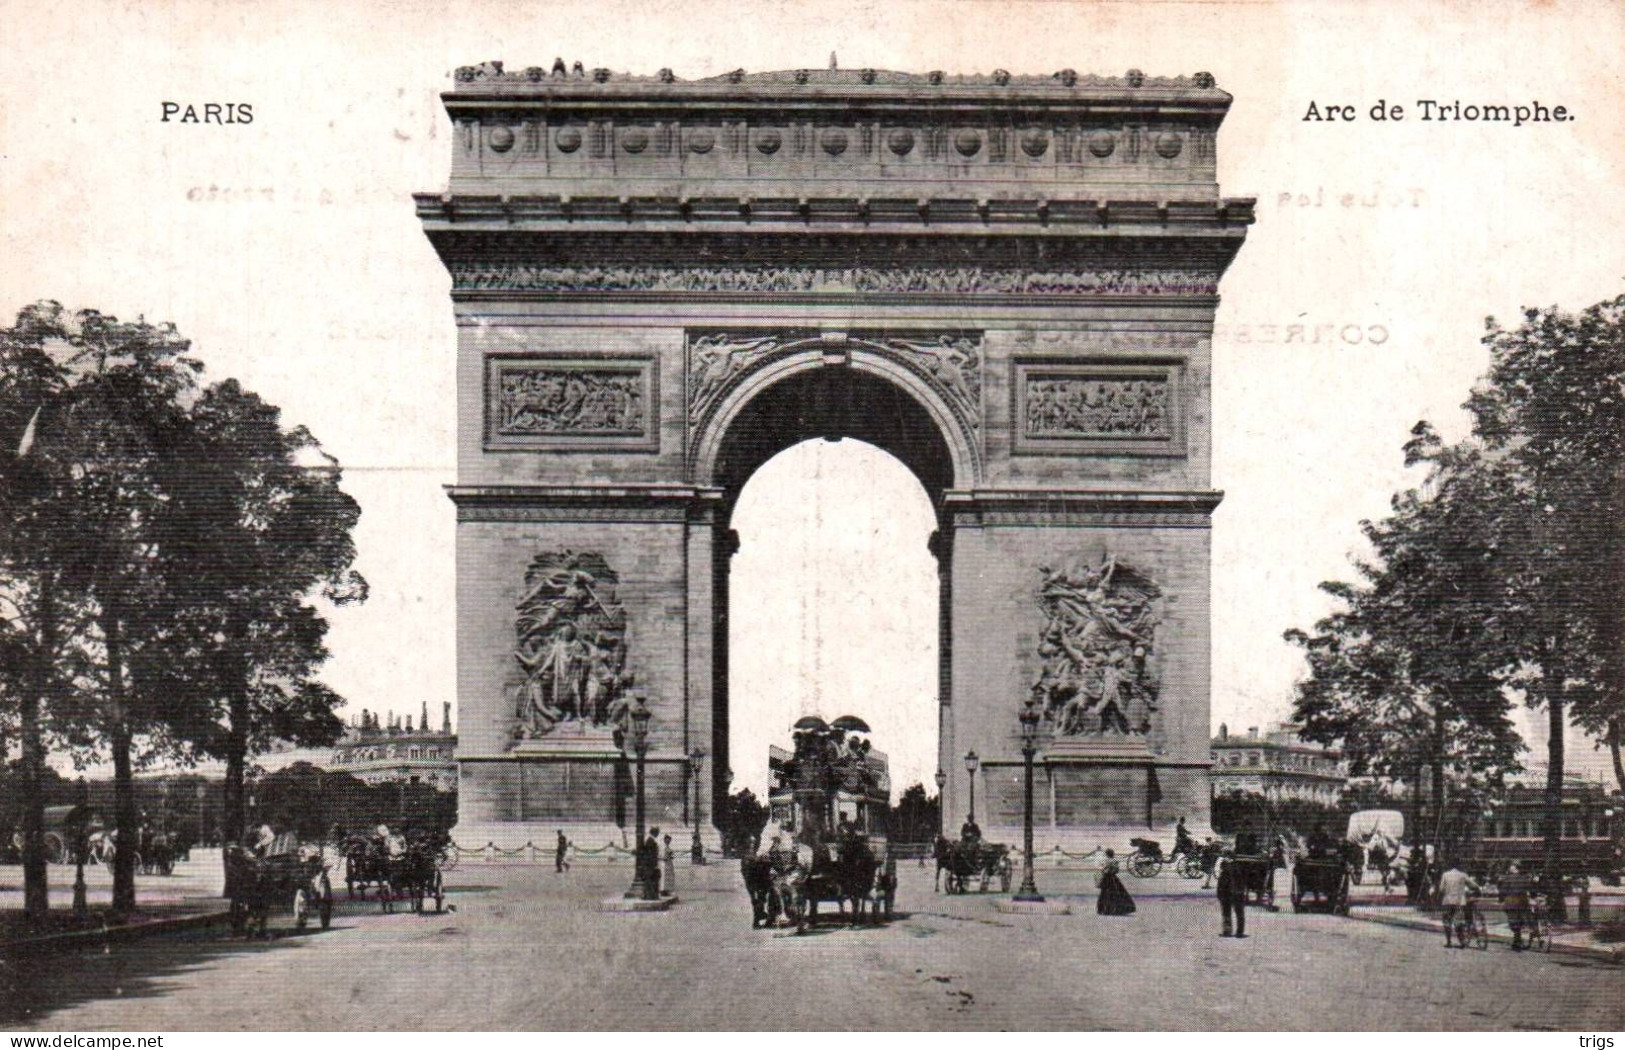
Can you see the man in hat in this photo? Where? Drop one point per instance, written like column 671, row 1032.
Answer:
column 1232, row 896
column 648, row 864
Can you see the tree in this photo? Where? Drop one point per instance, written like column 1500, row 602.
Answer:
column 915, row 817
column 1409, row 673
column 258, row 533
column 162, row 558
column 101, row 397
column 1553, row 406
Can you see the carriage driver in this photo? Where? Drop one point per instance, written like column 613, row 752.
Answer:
column 970, row 831
column 1183, row 842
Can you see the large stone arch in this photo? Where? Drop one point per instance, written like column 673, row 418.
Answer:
column 660, row 282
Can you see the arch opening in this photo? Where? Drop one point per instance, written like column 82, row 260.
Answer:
column 829, row 580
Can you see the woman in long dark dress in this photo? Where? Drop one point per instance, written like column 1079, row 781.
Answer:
column 1114, row 898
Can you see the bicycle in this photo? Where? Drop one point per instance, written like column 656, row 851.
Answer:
column 1477, row 928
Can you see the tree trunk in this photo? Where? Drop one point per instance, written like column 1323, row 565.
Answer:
column 1613, row 750
column 232, row 814
column 1416, row 805
column 36, row 885
column 1552, row 824
column 119, row 739
column 1438, row 781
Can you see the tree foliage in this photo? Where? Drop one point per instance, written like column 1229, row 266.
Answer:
column 162, row 551
column 1502, row 578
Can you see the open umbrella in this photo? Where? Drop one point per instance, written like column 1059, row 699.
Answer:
column 851, row 724
column 810, row 723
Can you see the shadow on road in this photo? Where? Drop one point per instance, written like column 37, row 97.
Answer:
column 34, row 987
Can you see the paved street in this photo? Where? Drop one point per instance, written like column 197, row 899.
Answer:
column 527, row 949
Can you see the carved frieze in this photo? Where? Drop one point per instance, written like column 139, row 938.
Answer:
column 1105, row 407
column 1096, row 407
column 506, row 275
column 570, row 403
column 1097, row 650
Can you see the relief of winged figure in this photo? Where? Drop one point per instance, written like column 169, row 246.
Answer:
column 1096, row 647
column 571, row 644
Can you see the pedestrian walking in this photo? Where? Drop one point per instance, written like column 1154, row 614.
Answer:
column 1114, row 897
column 561, row 854
column 1514, row 888
column 1232, row 897
column 668, row 871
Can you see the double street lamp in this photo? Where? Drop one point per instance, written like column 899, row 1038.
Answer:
column 1030, row 718
column 644, row 881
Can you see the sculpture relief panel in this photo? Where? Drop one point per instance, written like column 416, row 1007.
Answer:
column 574, row 403
column 570, row 647
column 1115, row 408
column 1098, row 650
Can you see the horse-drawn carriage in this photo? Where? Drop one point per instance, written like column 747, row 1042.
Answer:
column 792, row 882
column 410, row 873
column 1255, row 868
column 257, row 885
column 958, row 863
column 67, row 830
column 1321, row 883
column 1148, row 860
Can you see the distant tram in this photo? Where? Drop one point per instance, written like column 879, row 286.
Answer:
column 1512, row 829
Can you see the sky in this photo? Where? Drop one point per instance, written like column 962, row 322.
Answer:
column 288, row 250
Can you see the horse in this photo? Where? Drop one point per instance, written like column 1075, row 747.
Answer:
column 366, row 864
column 773, row 879
column 159, row 857
column 886, row 884
column 855, row 872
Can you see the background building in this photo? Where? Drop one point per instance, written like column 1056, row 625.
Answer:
column 1277, row 765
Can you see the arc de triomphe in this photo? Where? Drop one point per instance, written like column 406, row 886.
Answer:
column 1008, row 282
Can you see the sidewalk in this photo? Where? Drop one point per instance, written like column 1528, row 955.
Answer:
column 189, row 897
column 1565, row 939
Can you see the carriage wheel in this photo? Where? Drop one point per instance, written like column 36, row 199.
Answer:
column 301, row 908
column 1143, row 867
column 1190, row 867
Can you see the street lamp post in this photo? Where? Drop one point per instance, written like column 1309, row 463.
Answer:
column 696, row 763
column 202, row 798
column 80, row 846
column 641, row 888
column 972, row 761
column 942, row 811
column 1029, row 746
